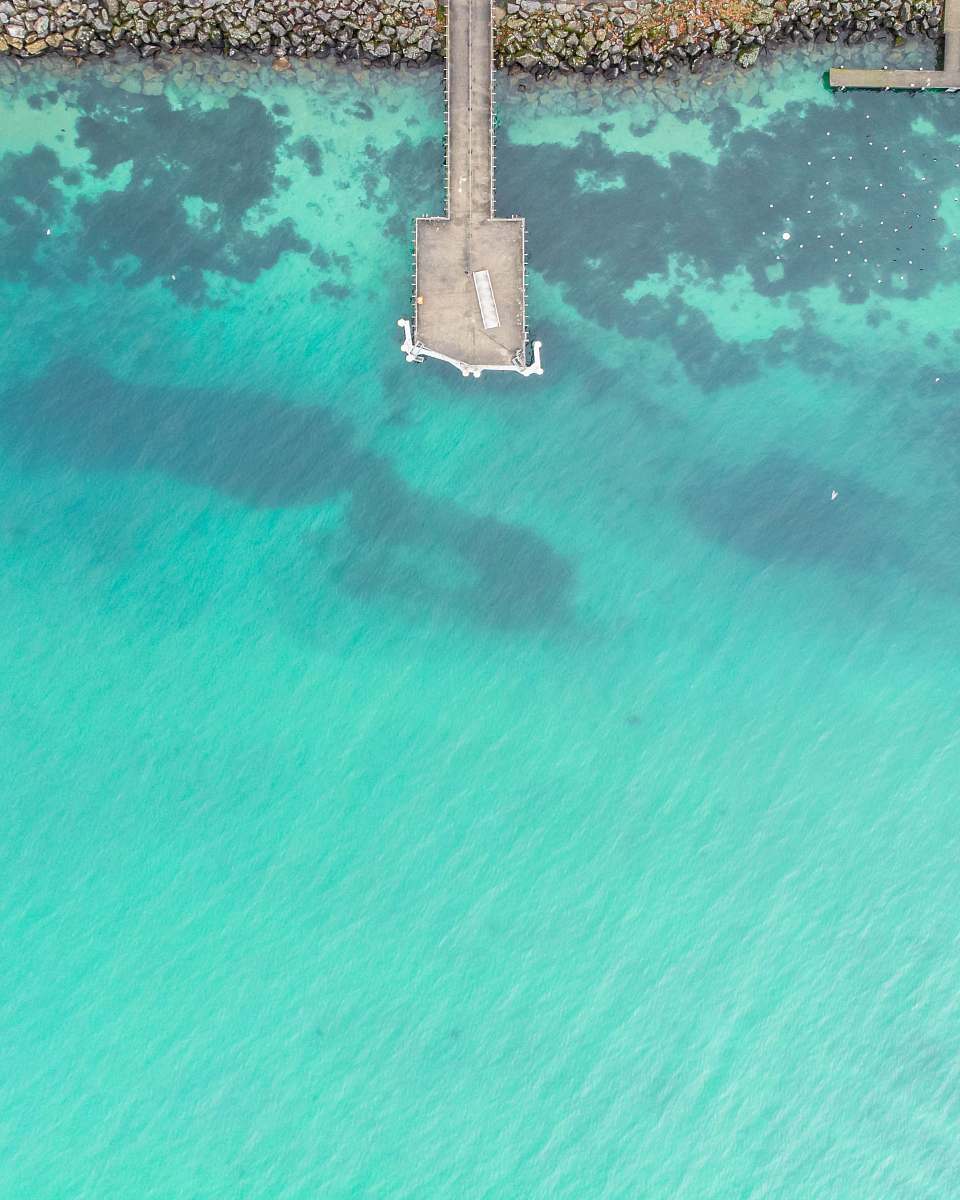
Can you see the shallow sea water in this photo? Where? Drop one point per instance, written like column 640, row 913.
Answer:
column 424, row 787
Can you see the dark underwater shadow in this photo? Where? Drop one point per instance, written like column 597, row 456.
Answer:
column 862, row 198
column 397, row 544
column 780, row 509
column 200, row 184
column 783, row 511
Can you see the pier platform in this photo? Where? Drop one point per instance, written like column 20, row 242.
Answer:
column 849, row 77
column 469, row 265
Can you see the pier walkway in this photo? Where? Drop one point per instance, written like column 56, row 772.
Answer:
column 469, row 270
column 946, row 78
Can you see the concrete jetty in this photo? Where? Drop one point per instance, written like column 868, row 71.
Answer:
column 469, row 271
column 947, row 77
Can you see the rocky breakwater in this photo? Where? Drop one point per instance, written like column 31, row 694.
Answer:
column 544, row 38
column 387, row 32
column 612, row 39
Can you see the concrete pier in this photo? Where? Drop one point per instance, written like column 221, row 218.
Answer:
column 946, row 78
column 469, row 270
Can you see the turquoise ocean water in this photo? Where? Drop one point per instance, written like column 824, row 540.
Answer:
column 424, row 787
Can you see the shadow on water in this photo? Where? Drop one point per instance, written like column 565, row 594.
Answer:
column 856, row 186
column 781, row 510
column 225, row 159
column 30, row 201
column 403, row 182
column 397, row 544
column 190, row 195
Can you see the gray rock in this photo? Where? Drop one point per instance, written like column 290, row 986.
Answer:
column 538, row 35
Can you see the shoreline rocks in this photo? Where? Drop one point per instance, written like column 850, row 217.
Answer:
column 614, row 39
column 542, row 37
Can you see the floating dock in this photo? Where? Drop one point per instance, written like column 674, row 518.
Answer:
column 947, row 78
column 469, row 292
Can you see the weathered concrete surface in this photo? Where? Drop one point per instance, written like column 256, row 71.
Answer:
column 469, row 109
column 450, row 249
column 951, row 36
column 850, row 77
column 448, row 319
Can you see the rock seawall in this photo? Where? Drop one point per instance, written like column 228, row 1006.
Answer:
column 544, row 38
column 631, row 36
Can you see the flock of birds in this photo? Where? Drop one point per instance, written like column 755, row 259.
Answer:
column 911, row 211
